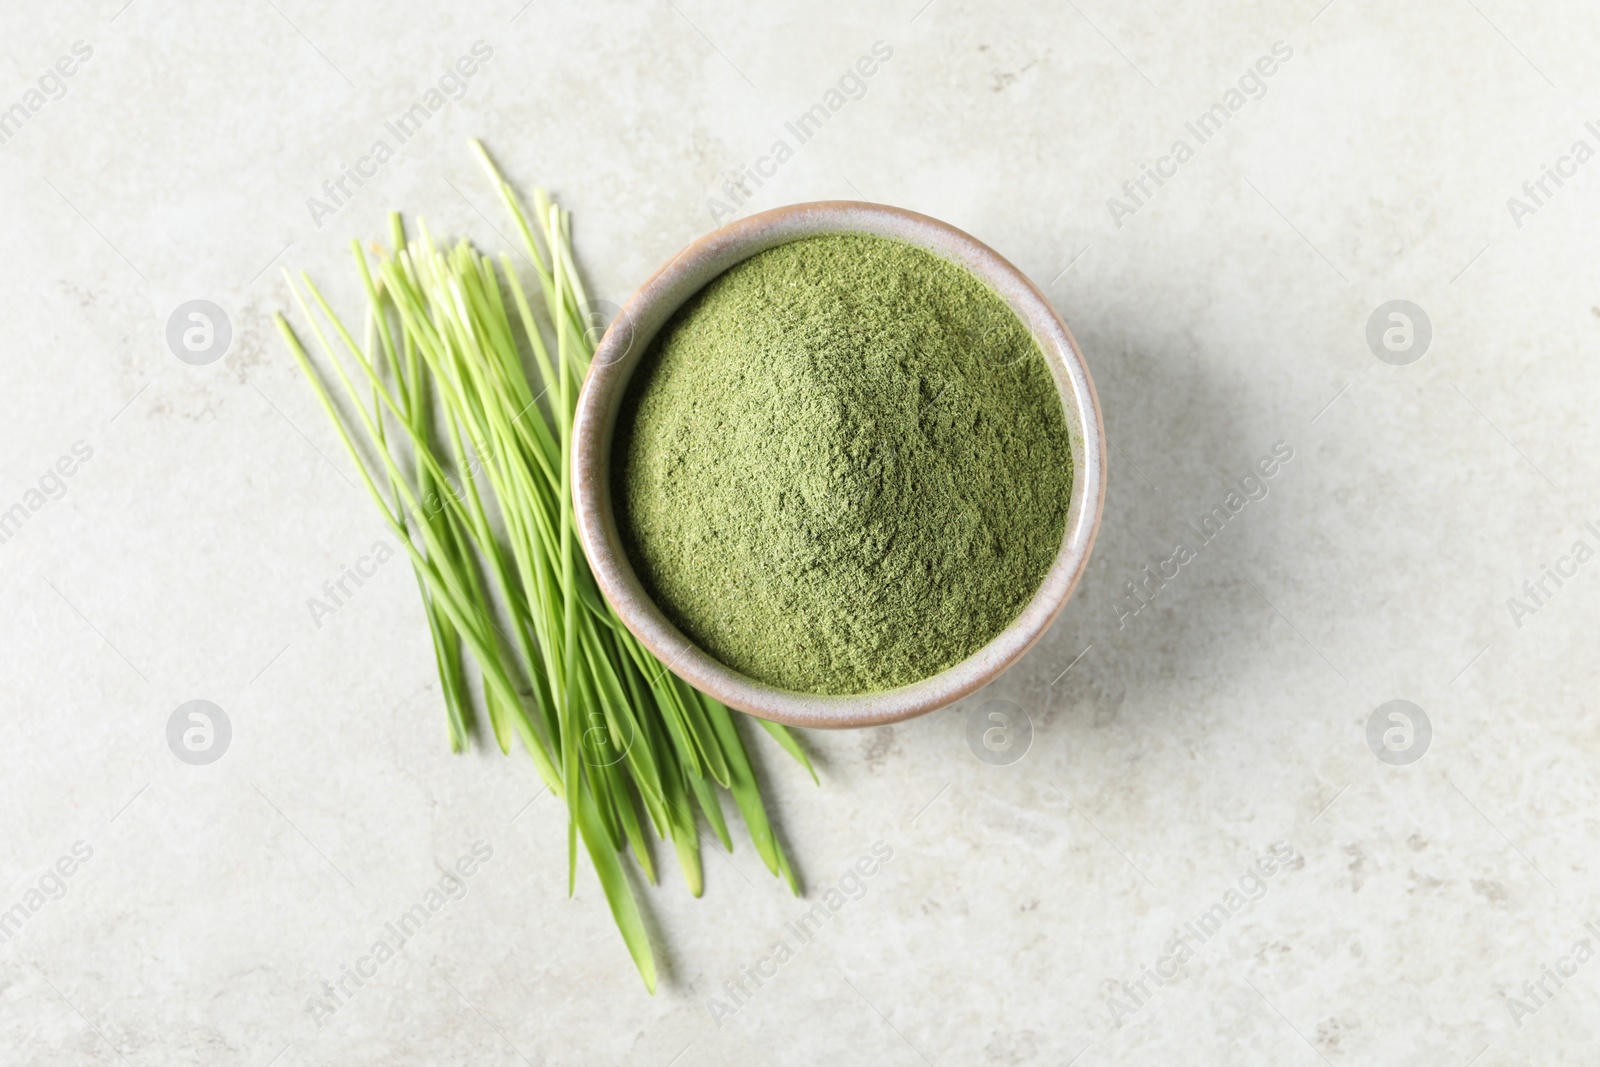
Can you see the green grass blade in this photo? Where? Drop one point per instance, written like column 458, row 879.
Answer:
column 619, row 894
column 781, row 734
column 746, row 793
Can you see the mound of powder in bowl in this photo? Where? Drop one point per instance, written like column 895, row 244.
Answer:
column 842, row 466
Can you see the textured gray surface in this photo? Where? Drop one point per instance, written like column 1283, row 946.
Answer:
column 1226, row 313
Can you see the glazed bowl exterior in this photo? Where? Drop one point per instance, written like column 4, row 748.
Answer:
column 627, row 340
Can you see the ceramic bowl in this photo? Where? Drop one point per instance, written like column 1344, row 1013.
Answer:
column 625, row 344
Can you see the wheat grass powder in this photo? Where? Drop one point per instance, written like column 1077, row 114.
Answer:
column 842, row 466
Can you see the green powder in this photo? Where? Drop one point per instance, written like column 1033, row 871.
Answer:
column 842, row 466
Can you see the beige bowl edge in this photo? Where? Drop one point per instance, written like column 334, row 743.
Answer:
column 626, row 342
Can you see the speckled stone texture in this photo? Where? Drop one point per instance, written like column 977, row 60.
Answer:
column 155, row 911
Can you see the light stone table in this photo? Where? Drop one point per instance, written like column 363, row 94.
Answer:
column 1352, row 242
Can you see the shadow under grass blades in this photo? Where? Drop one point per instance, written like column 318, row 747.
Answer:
column 469, row 462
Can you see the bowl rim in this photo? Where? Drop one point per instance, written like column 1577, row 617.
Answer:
column 628, row 338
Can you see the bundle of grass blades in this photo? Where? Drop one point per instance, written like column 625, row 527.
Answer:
column 448, row 433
